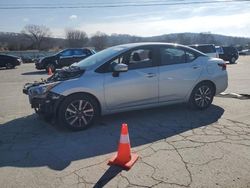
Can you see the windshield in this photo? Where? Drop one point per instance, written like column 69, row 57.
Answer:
column 99, row 57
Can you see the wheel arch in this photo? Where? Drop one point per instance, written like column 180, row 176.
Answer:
column 200, row 82
column 80, row 93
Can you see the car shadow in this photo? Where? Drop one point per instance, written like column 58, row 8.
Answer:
column 34, row 73
column 228, row 63
column 31, row 142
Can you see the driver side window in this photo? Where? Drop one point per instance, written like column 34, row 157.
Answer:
column 136, row 59
column 140, row 58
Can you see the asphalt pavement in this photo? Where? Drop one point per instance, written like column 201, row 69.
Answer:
column 178, row 147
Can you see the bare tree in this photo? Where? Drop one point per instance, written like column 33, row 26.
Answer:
column 36, row 34
column 99, row 40
column 76, row 38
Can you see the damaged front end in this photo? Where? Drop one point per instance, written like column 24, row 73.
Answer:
column 41, row 98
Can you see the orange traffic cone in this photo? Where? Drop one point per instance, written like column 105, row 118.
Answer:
column 124, row 158
column 50, row 71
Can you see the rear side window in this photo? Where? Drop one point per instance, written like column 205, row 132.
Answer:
column 170, row 56
column 78, row 52
column 87, row 52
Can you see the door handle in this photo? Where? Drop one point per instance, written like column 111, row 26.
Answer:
column 150, row 75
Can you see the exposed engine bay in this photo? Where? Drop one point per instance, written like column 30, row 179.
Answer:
column 66, row 73
column 61, row 75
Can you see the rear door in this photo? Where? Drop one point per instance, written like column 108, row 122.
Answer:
column 178, row 72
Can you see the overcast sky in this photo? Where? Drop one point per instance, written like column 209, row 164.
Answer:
column 220, row 18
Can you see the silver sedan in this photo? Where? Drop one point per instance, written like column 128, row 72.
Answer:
column 128, row 77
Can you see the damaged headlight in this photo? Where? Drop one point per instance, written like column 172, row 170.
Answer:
column 41, row 89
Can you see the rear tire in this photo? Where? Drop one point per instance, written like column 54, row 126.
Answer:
column 77, row 112
column 202, row 96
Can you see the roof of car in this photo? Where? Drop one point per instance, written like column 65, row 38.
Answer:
column 148, row 43
column 201, row 45
column 133, row 45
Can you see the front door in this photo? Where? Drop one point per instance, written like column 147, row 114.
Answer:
column 138, row 86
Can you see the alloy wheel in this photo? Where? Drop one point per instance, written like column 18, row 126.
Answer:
column 203, row 96
column 79, row 113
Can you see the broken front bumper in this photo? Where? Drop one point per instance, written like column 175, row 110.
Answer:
column 44, row 104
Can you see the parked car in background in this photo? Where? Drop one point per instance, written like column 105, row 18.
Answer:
column 244, row 52
column 9, row 61
column 219, row 50
column 208, row 49
column 64, row 58
column 26, row 59
column 128, row 77
column 229, row 54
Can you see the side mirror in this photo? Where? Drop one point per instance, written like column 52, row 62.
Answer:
column 119, row 68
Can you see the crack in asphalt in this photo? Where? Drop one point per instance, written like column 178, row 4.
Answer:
column 234, row 133
column 186, row 166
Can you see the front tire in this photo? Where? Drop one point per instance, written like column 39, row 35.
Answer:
column 78, row 112
column 202, row 96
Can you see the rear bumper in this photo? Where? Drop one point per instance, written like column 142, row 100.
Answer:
column 221, row 83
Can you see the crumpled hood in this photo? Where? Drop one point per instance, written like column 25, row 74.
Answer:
column 66, row 74
column 60, row 75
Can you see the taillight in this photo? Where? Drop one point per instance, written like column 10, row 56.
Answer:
column 223, row 66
